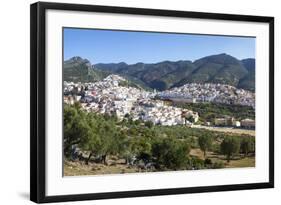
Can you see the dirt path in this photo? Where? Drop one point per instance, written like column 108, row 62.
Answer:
column 79, row 168
column 227, row 129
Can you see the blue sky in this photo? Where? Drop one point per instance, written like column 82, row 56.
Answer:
column 107, row 46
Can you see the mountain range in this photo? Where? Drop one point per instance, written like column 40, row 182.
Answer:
column 221, row 68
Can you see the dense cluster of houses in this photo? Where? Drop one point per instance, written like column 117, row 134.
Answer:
column 107, row 96
column 208, row 92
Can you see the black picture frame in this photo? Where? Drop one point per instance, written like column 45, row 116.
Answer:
column 38, row 101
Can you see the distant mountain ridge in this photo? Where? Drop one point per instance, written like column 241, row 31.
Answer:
column 221, row 68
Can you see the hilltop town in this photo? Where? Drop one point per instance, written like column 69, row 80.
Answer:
column 112, row 95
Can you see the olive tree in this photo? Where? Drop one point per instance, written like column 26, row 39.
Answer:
column 76, row 128
column 205, row 143
column 247, row 145
column 230, row 146
column 170, row 153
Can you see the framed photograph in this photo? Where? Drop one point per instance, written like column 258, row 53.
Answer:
column 129, row 102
